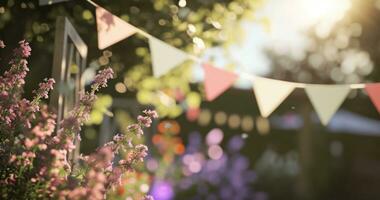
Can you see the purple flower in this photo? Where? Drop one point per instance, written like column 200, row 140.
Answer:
column 148, row 197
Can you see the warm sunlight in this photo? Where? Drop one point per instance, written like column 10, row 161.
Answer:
column 318, row 11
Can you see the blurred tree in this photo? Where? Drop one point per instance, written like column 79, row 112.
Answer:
column 347, row 53
column 188, row 25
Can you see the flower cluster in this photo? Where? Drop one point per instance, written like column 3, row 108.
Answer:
column 103, row 174
column 35, row 161
column 24, row 50
column 101, row 78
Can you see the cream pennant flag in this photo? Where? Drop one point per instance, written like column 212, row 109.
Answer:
column 217, row 81
column 270, row 93
column 326, row 99
column 111, row 29
column 164, row 56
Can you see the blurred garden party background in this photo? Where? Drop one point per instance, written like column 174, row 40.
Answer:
column 223, row 148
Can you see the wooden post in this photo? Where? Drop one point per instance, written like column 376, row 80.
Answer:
column 305, row 149
column 313, row 179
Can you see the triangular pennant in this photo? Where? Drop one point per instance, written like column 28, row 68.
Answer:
column 373, row 91
column 164, row 56
column 327, row 99
column 270, row 93
column 217, row 81
column 111, row 29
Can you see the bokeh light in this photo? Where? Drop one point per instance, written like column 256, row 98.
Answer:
column 234, row 121
column 262, row 125
column 215, row 152
column 214, row 137
column 220, row 118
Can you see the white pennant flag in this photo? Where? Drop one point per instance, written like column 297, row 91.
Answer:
column 326, row 99
column 270, row 93
column 164, row 56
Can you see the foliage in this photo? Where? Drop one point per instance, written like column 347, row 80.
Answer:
column 340, row 54
column 192, row 26
column 34, row 160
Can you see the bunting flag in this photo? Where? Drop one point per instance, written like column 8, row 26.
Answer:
column 164, row 56
column 373, row 91
column 270, row 93
column 326, row 99
column 217, row 81
column 111, row 29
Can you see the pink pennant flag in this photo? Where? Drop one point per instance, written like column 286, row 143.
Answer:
column 111, row 29
column 373, row 90
column 217, row 81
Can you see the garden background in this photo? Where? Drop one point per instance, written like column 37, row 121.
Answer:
column 289, row 155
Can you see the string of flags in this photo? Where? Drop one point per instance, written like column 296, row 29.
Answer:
column 269, row 93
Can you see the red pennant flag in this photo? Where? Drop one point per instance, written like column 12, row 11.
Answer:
column 217, row 81
column 111, row 29
column 373, row 90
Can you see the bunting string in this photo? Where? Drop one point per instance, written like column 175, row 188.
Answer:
column 270, row 93
column 198, row 60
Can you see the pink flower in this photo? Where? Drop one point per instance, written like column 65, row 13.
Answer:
column 69, row 145
column 122, row 162
column 79, row 138
column 115, row 177
column 142, row 151
column 44, row 88
column 151, row 113
column 41, row 132
column 30, row 143
column 146, row 121
column 42, row 146
column 4, row 95
column 28, row 154
column 129, row 143
column 87, row 99
column 139, row 132
column 46, row 154
column 118, row 137
column 12, row 158
column 24, row 49
column 133, row 127
column 2, row 45
column 102, row 77
column 136, row 129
